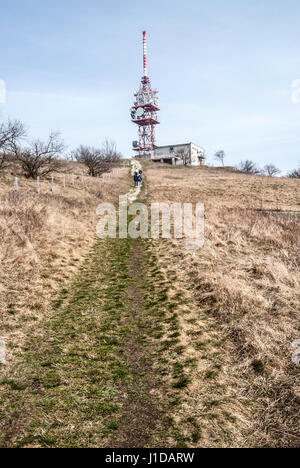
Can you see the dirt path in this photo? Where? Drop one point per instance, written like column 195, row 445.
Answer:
column 140, row 409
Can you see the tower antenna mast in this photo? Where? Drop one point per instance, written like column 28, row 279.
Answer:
column 144, row 111
column 145, row 53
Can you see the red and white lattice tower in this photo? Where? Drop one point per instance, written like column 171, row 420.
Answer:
column 144, row 111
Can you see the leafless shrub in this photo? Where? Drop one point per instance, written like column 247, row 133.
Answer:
column 92, row 159
column 109, row 151
column 97, row 160
column 249, row 167
column 40, row 158
column 295, row 174
column 10, row 134
column 220, row 156
column 271, row 170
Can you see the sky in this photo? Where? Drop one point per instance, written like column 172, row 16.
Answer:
column 228, row 72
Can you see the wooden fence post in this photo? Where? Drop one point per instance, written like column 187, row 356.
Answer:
column 38, row 186
column 52, row 184
column 16, row 185
column 64, row 181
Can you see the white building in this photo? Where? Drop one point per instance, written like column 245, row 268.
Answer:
column 187, row 153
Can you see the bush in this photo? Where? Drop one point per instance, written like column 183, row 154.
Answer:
column 40, row 158
column 249, row 167
column 271, row 170
column 97, row 160
column 10, row 134
column 295, row 174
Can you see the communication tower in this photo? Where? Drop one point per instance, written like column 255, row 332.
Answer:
column 144, row 111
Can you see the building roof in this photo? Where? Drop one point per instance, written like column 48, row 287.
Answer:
column 178, row 144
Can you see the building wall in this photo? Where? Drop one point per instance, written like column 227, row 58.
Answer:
column 196, row 151
column 165, row 152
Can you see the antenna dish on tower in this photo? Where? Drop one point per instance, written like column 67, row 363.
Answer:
column 140, row 112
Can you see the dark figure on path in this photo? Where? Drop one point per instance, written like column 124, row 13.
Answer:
column 136, row 179
column 141, row 178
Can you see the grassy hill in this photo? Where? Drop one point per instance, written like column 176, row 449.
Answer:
column 142, row 343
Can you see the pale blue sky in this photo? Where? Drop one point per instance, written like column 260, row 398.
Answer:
column 224, row 71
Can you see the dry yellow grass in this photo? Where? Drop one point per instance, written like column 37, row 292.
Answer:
column 245, row 283
column 44, row 238
column 226, row 315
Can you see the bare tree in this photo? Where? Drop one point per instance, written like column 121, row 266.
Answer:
column 10, row 134
column 249, row 167
column 91, row 158
column 295, row 174
column 40, row 158
column 98, row 160
column 271, row 170
column 184, row 155
column 109, row 151
column 220, row 156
